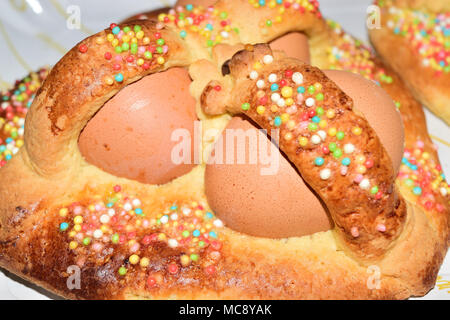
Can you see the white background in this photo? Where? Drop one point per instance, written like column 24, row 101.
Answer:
column 33, row 33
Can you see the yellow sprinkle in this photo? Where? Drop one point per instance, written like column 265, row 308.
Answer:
column 330, row 114
column 303, row 141
column 356, row 131
column 286, row 92
column 323, row 124
column 360, row 159
column 332, row 132
column 63, row 212
column 146, row 40
column 257, row 65
column 99, row 40
column 161, row 236
column 109, row 81
column 77, row 228
column 104, row 228
column 78, row 220
column 140, row 34
column 288, row 136
column 140, row 62
column 144, row 262
column 115, row 42
column 291, row 124
column 126, row 39
column 160, row 60
column 73, row 245
column 274, row 108
column 110, row 37
column 72, row 234
column 285, row 117
column 260, row 110
column 185, row 260
column 19, row 143
column 134, row 259
column 361, row 169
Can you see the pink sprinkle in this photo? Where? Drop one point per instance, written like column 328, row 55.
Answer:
column 292, row 110
column 77, row 210
column 300, row 98
column 141, row 49
column 145, row 223
column 354, row 231
column 420, row 144
column 159, row 26
column 134, row 247
column 97, row 247
column 165, row 49
column 381, row 227
column 303, row 125
column 344, row 170
column 358, row 178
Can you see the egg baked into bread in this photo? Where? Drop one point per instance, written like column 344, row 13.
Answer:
column 151, row 233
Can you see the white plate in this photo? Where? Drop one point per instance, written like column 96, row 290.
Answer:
column 34, row 33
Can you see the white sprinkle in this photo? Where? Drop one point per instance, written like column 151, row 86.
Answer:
column 310, row 102
column 224, row 34
column 173, row 243
column 254, row 75
column 275, row 97
column 322, row 134
column 349, row 148
column 273, row 77
column 316, row 139
column 174, row 216
column 281, row 102
column 20, row 131
column 98, row 234
column 364, row 184
column 136, row 203
column 186, row 211
column 268, row 59
column 111, row 212
column 164, row 219
column 218, row 223
column 297, row 77
column 104, row 218
column 443, row 191
column 260, row 84
column 127, row 206
column 325, row 174
column 426, row 62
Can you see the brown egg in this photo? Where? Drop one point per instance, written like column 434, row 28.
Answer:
column 131, row 135
column 378, row 108
column 294, row 44
column 277, row 205
column 282, row 205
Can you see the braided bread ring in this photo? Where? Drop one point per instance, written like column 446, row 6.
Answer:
column 264, row 268
column 422, row 60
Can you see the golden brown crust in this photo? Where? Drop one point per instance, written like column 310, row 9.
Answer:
column 49, row 174
column 423, row 74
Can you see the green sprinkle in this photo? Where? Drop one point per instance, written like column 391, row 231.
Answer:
column 245, row 106
column 340, row 135
column 123, row 271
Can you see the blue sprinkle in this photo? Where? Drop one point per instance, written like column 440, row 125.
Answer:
column 189, row 7
column 119, row 77
column 417, row 191
column 209, row 215
column 9, row 140
column 183, row 34
column 115, row 30
column 277, row 121
column 315, row 119
column 8, row 157
column 196, row 233
column 109, row 204
column 64, row 226
column 397, row 30
column 174, row 207
column 138, row 211
column 346, row 161
column 319, row 161
column 212, row 234
column 209, row 26
column 274, row 87
column 301, row 89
